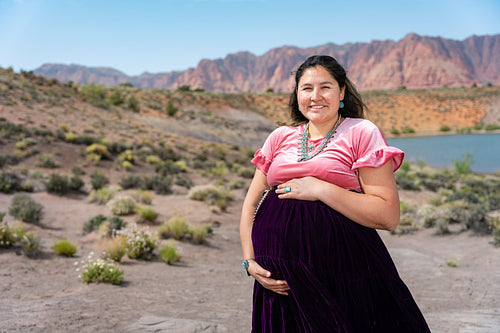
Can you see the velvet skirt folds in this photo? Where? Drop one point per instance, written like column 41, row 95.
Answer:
column 340, row 274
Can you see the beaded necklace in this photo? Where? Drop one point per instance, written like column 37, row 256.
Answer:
column 302, row 151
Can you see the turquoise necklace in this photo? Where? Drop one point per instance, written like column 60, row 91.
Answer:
column 303, row 148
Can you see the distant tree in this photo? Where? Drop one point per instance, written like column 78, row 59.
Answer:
column 445, row 128
column 489, row 84
column 199, row 90
column 133, row 104
column 269, row 90
column 126, row 85
column 474, row 85
column 171, row 110
column 184, row 88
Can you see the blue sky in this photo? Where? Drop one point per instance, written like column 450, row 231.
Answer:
column 160, row 36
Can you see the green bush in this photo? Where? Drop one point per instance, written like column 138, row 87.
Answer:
column 98, row 180
column 463, row 166
column 199, row 234
column 133, row 104
column 122, row 205
column 57, row 184
column 26, row 209
column 75, row 183
column 100, row 270
column 113, row 248
column 146, row 214
column 445, row 128
column 6, row 237
column 140, row 242
column 64, row 247
column 159, row 184
column 101, row 196
column 175, row 228
column 9, row 182
column 212, row 195
column 131, row 181
column 47, row 161
column 169, row 254
column 30, row 245
column 93, row 223
column 142, row 196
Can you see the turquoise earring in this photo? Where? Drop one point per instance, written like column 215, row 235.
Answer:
column 341, row 105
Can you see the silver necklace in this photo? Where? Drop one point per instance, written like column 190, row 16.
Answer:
column 303, row 148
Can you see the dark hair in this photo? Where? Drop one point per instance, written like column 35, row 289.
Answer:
column 353, row 104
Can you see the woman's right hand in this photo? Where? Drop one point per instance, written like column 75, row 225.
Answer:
column 264, row 278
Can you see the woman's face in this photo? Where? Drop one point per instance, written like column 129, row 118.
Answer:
column 318, row 96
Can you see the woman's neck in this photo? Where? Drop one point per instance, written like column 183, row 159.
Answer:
column 317, row 131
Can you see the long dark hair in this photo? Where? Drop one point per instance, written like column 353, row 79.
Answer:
column 353, row 104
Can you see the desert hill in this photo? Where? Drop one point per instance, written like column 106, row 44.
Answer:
column 415, row 62
column 133, row 114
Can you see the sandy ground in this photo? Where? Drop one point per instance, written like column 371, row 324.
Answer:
column 207, row 291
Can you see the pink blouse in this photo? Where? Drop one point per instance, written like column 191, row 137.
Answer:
column 357, row 143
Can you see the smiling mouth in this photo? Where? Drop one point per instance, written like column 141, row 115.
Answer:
column 316, row 107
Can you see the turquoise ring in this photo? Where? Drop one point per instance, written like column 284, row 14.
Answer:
column 288, row 189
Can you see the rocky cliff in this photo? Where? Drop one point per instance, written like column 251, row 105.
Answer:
column 414, row 62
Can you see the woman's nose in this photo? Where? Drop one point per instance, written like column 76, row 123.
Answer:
column 316, row 94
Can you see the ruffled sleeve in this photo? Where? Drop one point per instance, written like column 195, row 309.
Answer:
column 372, row 149
column 379, row 157
column 261, row 161
column 264, row 157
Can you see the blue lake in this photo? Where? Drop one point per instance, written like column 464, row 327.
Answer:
column 441, row 151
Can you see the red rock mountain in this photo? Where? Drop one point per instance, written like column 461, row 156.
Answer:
column 414, row 62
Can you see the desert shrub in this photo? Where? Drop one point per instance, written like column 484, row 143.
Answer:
column 153, row 159
column 6, row 236
column 127, row 166
column 100, row 270
column 97, row 149
column 445, row 128
column 236, row 184
column 170, row 109
column 146, row 214
column 75, row 183
column 64, row 247
column 26, row 209
column 101, row 196
column 463, row 166
column 245, row 172
column 93, row 223
column 168, row 167
column 169, row 254
column 30, row 245
column 113, row 248
column 47, row 161
column 212, row 195
column 95, row 95
column 494, row 223
column 122, row 205
column 159, row 184
column 57, row 184
column 407, row 181
column 492, row 127
column 98, row 180
column 115, row 224
column 133, row 104
column 198, row 234
column 127, row 156
column 395, row 131
column 9, row 182
column 140, row 242
column 25, row 143
column 219, row 171
column 183, row 181
column 175, row 228
column 131, row 181
column 142, row 196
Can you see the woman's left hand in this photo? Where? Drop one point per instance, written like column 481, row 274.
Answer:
column 300, row 188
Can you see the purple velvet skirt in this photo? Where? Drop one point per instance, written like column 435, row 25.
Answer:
column 340, row 274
